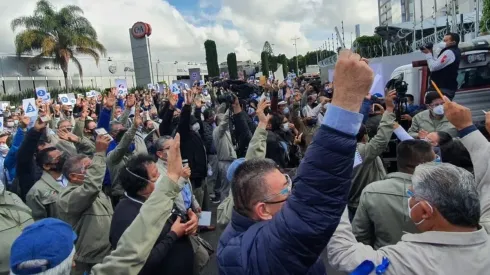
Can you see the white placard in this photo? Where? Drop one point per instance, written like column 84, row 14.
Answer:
column 205, row 218
column 357, row 159
column 150, row 86
column 42, row 92
column 29, row 106
column 72, row 98
column 4, row 104
column 175, row 89
column 90, row 94
column 377, row 86
column 65, row 100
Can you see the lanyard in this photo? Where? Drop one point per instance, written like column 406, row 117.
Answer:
column 135, row 200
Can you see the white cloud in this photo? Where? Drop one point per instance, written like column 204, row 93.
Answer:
column 239, row 26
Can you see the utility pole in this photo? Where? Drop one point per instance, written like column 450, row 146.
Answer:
column 435, row 21
column 422, row 19
column 477, row 20
column 414, row 28
column 343, row 36
column 296, row 49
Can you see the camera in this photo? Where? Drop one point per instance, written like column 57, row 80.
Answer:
column 227, row 97
column 427, row 46
column 401, row 88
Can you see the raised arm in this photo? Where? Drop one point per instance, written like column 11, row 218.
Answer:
column 297, row 235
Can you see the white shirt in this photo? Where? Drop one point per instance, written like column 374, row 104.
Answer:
column 444, row 60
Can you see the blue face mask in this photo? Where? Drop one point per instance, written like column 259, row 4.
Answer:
column 285, row 111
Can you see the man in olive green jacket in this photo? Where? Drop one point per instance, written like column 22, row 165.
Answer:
column 382, row 217
column 432, row 119
column 371, row 168
column 86, row 208
column 134, row 246
column 256, row 149
column 14, row 217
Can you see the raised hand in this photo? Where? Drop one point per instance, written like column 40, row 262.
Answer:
column 138, row 121
column 390, row 101
column 174, row 160
column 353, row 79
column 130, row 101
column 110, row 100
column 102, row 143
column 458, row 115
column 263, row 118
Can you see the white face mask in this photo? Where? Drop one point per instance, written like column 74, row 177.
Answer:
column 196, row 127
column 285, row 127
column 4, row 149
column 438, row 110
column 10, row 124
column 441, row 45
column 410, row 211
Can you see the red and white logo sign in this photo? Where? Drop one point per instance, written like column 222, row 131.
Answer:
column 141, row 29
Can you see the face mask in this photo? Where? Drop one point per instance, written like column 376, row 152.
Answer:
column 58, row 167
column 16, row 122
column 10, row 124
column 250, row 111
column 439, row 110
column 285, row 111
column 410, row 211
column 285, row 127
column 196, row 127
column 442, row 45
column 120, row 135
column 4, row 149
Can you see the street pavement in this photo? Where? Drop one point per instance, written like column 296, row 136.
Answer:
column 213, row 238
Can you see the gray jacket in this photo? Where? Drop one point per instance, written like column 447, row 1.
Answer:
column 424, row 121
column 222, row 139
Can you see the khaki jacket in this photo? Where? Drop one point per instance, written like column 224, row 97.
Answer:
column 117, row 158
column 43, row 196
column 479, row 149
column 382, row 218
column 424, row 121
column 136, row 243
column 89, row 211
column 14, row 217
column 372, row 168
column 85, row 146
column 256, row 149
column 63, row 145
column 428, row 252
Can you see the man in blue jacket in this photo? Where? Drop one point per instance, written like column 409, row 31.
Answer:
column 276, row 231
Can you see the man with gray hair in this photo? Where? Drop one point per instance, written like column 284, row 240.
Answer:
column 447, row 205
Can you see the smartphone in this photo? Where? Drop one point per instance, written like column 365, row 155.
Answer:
column 102, row 131
column 185, row 163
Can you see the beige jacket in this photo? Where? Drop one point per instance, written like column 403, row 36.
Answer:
column 89, row 211
column 382, row 218
column 134, row 247
column 372, row 168
column 43, row 196
column 424, row 121
column 428, row 252
column 256, row 149
column 14, row 217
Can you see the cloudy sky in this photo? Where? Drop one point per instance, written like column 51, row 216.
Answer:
column 180, row 27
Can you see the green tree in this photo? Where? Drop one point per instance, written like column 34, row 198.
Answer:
column 273, row 63
column 57, row 34
column 368, row 46
column 282, row 59
column 211, row 58
column 264, row 56
column 232, row 65
column 485, row 19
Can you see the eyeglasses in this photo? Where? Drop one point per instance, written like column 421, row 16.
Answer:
column 283, row 192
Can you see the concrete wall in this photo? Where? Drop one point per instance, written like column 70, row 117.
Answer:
column 140, row 50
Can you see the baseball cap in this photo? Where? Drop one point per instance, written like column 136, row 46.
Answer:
column 49, row 239
column 232, row 168
column 378, row 95
column 282, row 103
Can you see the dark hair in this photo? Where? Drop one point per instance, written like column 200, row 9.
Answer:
column 43, row 157
column 455, row 152
column 137, row 166
column 454, row 37
column 444, row 137
column 248, row 186
column 410, row 96
column 362, row 132
column 87, row 122
column 73, row 165
column 276, row 121
column 431, row 96
column 208, row 113
column 410, row 153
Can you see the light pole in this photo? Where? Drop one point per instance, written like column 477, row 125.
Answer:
column 158, row 62
column 296, row 49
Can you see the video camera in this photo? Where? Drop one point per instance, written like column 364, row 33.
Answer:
column 399, row 85
column 428, row 46
column 238, row 88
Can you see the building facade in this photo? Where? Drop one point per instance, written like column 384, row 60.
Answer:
column 18, row 75
column 393, row 12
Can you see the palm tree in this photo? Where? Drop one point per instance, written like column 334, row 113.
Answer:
column 59, row 35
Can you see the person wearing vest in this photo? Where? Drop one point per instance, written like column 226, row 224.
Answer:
column 444, row 68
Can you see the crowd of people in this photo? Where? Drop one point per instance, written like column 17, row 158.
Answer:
column 117, row 184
